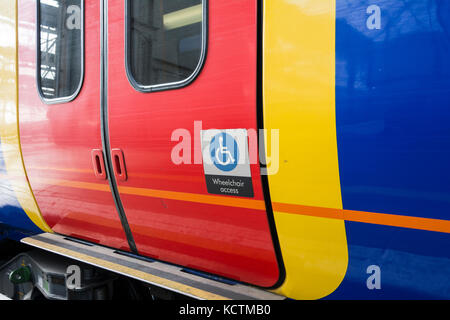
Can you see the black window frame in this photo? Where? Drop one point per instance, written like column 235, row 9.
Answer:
column 72, row 97
column 171, row 85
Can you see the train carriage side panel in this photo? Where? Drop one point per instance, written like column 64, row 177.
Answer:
column 299, row 101
column 391, row 83
column 172, row 214
column 393, row 136
column 60, row 122
column 19, row 213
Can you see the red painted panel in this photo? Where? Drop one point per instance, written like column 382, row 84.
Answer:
column 57, row 141
column 230, row 241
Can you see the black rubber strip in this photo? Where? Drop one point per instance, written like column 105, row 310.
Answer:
column 104, row 125
column 264, row 179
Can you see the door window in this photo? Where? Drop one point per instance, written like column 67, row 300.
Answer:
column 165, row 42
column 60, row 49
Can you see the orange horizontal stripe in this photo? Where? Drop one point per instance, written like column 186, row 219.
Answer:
column 76, row 184
column 173, row 195
column 308, row 210
column 195, row 197
column 394, row 220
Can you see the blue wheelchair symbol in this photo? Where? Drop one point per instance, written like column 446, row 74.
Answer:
column 224, row 152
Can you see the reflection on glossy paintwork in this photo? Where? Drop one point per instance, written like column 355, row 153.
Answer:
column 393, row 97
column 299, row 101
column 360, row 91
column 393, row 115
column 18, row 209
column 227, row 240
column 61, row 136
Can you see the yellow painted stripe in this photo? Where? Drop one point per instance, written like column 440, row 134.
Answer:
column 127, row 271
column 299, row 101
column 9, row 117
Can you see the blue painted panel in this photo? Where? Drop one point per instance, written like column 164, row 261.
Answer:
column 13, row 219
column 393, row 107
column 414, row 264
column 393, row 135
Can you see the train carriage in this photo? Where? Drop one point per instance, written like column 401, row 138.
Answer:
column 296, row 148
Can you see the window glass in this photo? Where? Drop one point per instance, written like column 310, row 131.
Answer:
column 60, row 48
column 164, row 40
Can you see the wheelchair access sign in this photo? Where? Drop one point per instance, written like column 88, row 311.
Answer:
column 226, row 162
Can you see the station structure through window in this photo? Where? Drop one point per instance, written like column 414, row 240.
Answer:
column 60, row 49
column 165, row 41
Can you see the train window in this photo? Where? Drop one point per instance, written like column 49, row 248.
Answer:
column 60, row 49
column 165, row 42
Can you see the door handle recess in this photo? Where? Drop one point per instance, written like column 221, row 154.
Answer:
column 98, row 163
column 119, row 164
